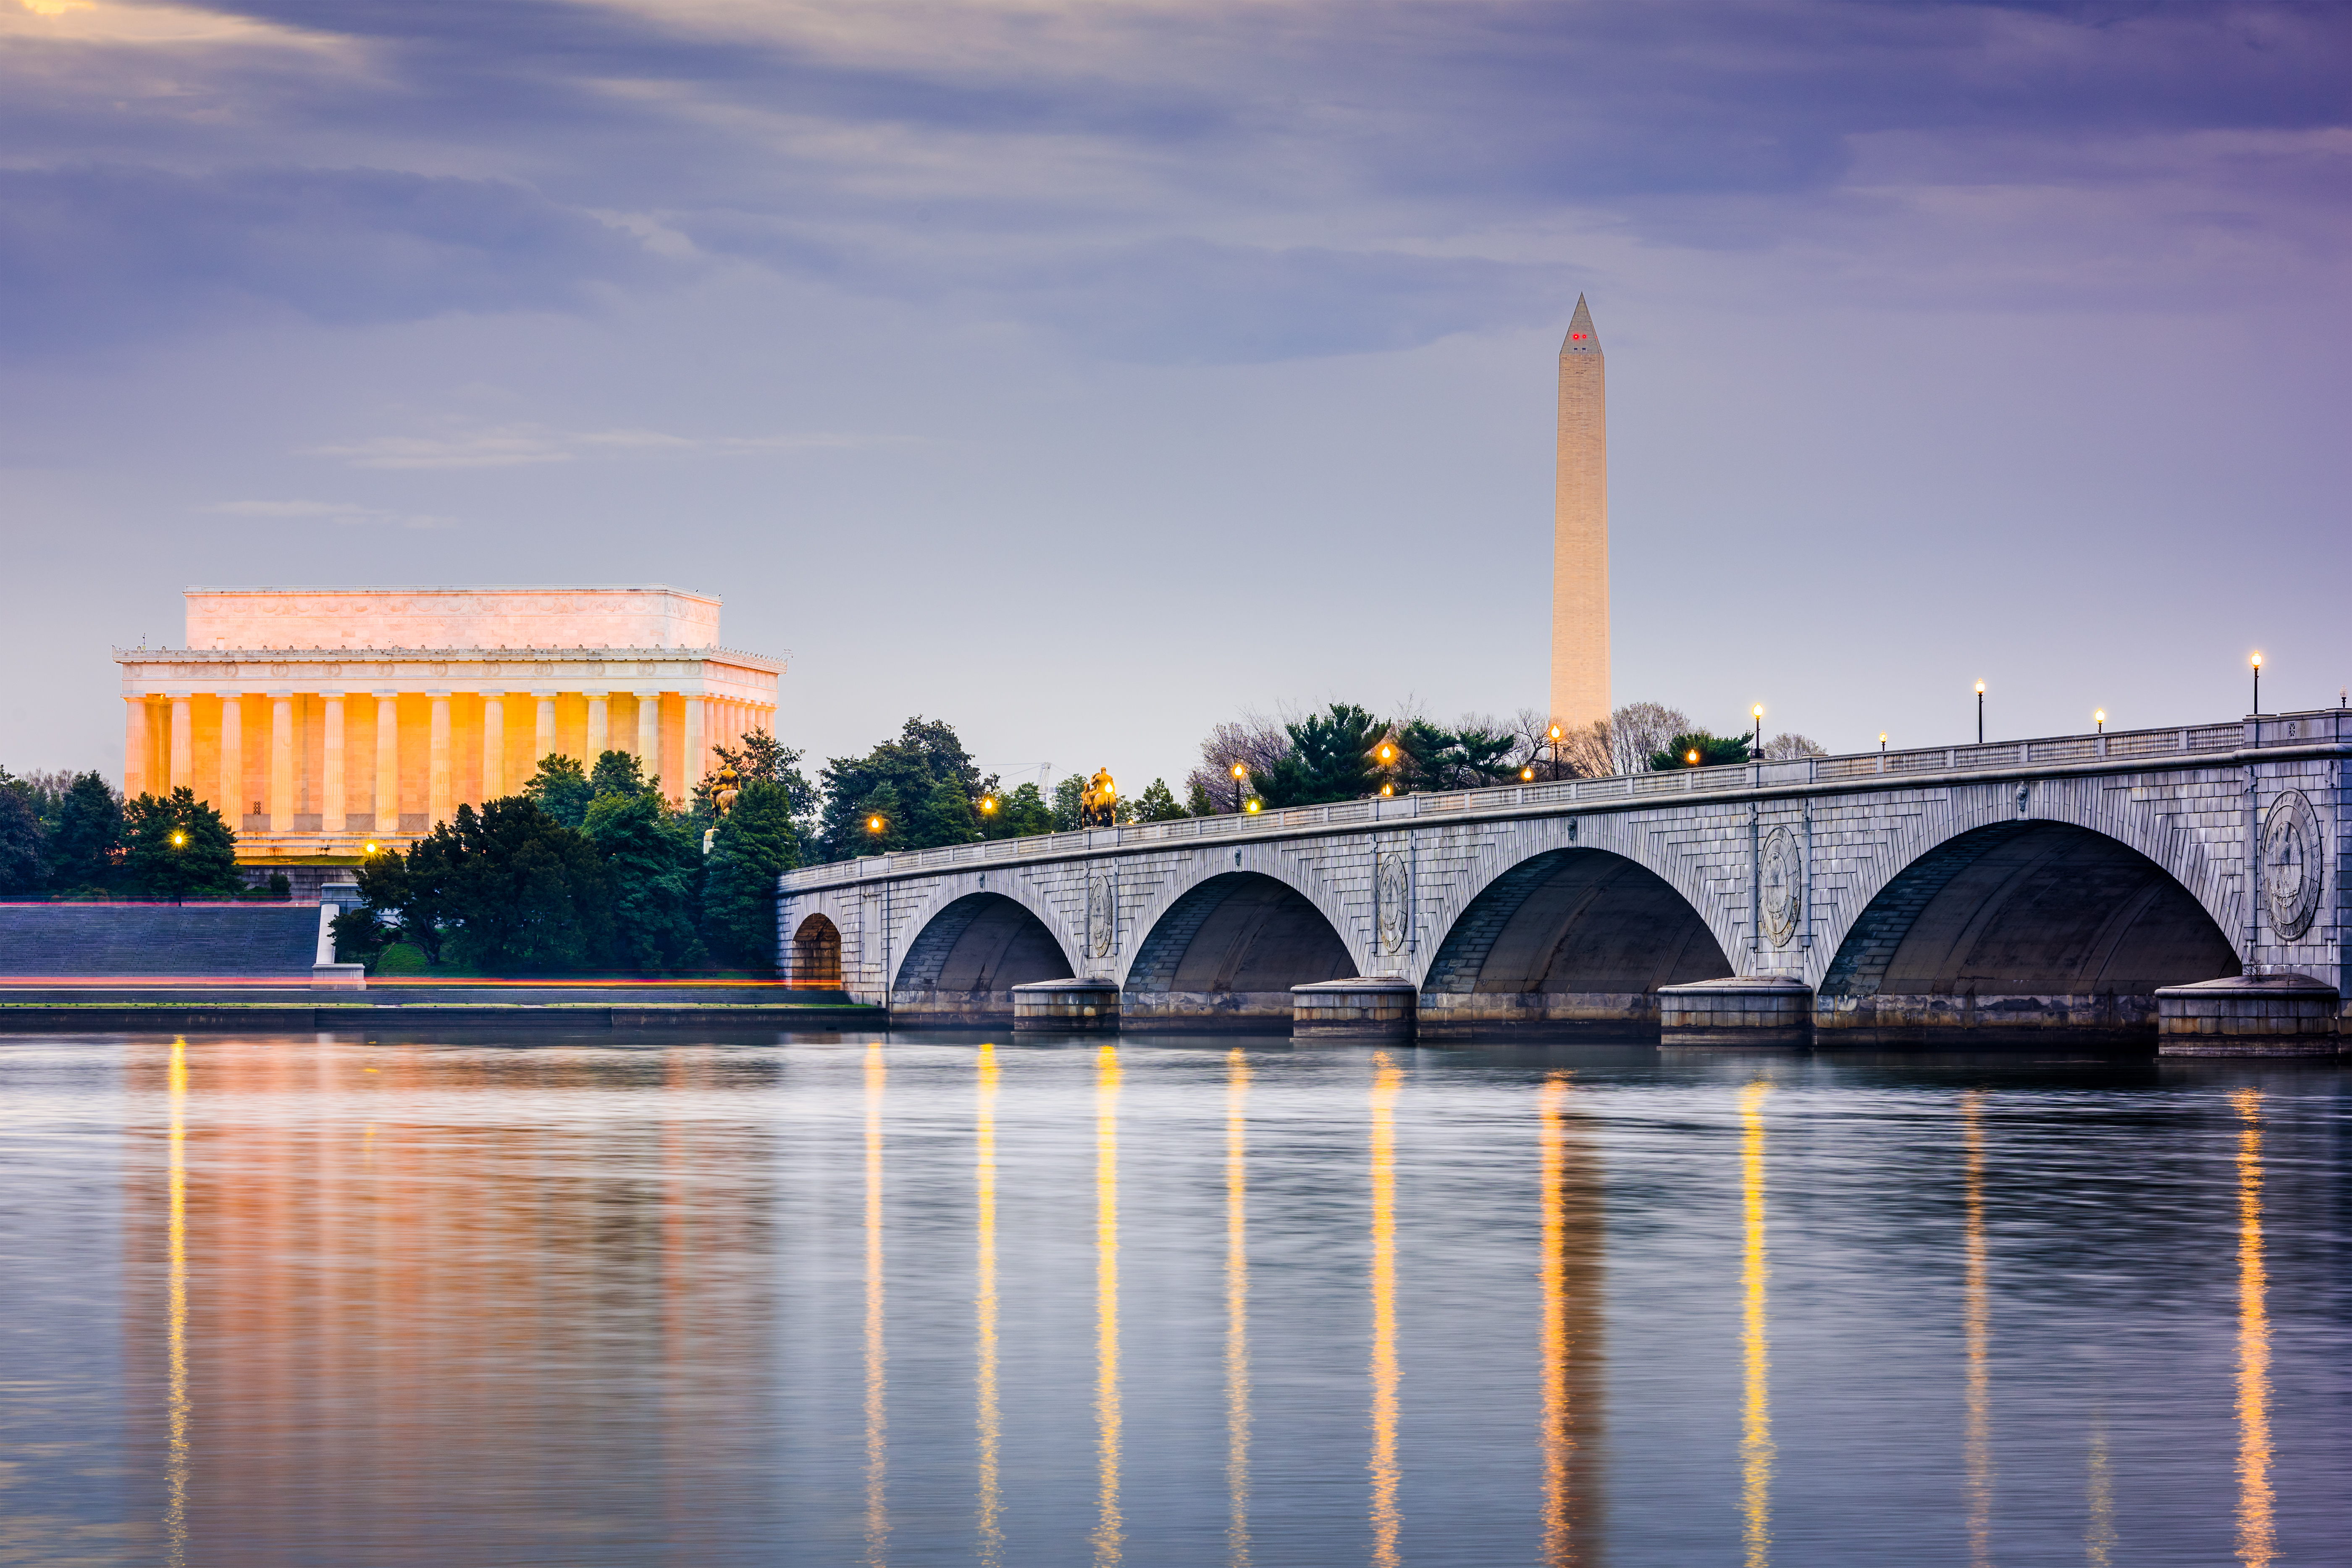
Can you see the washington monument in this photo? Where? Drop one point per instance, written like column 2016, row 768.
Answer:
column 1580, row 542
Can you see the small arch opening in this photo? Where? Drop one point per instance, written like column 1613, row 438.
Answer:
column 815, row 961
column 1225, row 955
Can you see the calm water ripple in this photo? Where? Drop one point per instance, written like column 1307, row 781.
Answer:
column 845, row 1300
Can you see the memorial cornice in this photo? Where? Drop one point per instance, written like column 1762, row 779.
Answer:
column 360, row 664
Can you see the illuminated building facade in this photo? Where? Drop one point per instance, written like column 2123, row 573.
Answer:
column 318, row 719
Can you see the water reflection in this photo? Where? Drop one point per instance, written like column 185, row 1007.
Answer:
column 1110, row 1537
column 1569, row 1208
column 374, row 1304
column 991, row 1533
column 878, row 1364
column 1237, row 1367
column 1976, row 1333
column 1386, row 1080
column 2256, row 1542
column 175, row 1520
column 1756, row 1384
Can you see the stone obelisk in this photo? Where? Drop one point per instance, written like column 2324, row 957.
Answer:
column 1580, row 538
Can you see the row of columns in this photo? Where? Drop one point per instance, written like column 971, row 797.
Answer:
column 728, row 719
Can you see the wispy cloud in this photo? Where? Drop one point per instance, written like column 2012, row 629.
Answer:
column 522, row 445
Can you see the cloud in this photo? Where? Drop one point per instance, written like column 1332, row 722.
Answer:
column 96, row 253
column 524, row 445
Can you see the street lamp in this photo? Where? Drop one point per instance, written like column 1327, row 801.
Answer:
column 1555, row 752
column 1757, row 714
column 1691, row 757
column 1882, row 743
column 2258, row 683
column 1528, row 774
column 1241, row 788
column 2099, row 720
column 874, row 825
column 1980, row 712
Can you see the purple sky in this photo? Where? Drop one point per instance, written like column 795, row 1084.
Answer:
column 1085, row 374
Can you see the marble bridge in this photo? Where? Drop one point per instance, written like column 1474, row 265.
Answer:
column 2181, row 885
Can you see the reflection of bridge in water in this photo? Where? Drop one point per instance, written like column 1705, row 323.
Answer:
column 2028, row 889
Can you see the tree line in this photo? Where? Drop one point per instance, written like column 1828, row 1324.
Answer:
column 72, row 835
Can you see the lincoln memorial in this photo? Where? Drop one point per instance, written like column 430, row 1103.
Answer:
column 320, row 720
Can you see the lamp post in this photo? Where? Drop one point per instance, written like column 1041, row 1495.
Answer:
column 1241, row 788
column 2099, row 721
column 1555, row 753
column 1882, row 743
column 1757, row 714
column 2258, row 684
column 1980, row 712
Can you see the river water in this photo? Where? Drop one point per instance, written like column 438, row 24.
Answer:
column 850, row 1300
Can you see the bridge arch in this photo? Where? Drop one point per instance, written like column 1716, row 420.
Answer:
column 814, row 957
column 2036, row 926
column 1570, row 937
column 967, row 946
column 1224, row 948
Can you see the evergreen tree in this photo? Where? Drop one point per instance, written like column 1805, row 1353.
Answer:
column 176, row 845
column 653, row 860
column 884, row 807
column 1197, row 802
column 1020, row 813
column 945, row 816
column 616, row 773
column 1331, row 758
column 1158, row 804
column 1069, row 802
column 755, row 844
column 761, row 755
column 508, row 890
column 23, row 864
column 560, row 789
column 86, row 833
column 1714, row 751
column 925, row 754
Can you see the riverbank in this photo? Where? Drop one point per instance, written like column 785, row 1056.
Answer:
column 178, row 1004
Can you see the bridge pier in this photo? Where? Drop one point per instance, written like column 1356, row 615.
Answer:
column 2281, row 1014
column 1738, row 1012
column 1375, row 1007
column 1068, row 1006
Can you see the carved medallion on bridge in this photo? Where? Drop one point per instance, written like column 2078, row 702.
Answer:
column 2292, row 864
column 1780, row 873
column 1391, row 901
column 1102, row 916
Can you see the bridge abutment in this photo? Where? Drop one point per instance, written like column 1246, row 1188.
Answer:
column 1376, row 1007
column 1744, row 1011
column 2250, row 1015
column 1068, row 1006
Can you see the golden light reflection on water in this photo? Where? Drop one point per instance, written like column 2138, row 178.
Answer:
column 1571, row 1273
column 176, row 1519
column 877, row 1439
column 1755, row 1451
column 1386, row 1080
column 2257, row 1542
column 991, row 1536
column 2099, row 1537
column 1237, row 1367
column 1975, row 1324
column 1110, row 1537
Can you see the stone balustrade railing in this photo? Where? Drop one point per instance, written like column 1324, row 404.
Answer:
column 2324, row 727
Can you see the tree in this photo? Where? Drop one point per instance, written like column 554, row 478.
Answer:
column 1019, row 813
column 1069, row 797
column 653, row 860
column 509, row 890
column 1638, row 731
column 761, row 755
column 1787, row 746
column 1254, row 741
column 880, row 820
column 176, row 845
column 1158, row 804
column 1428, row 757
column 616, row 773
column 1714, row 751
column 560, row 789
column 23, row 864
column 754, row 845
column 925, row 754
column 1331, row 758
column 87, row 831
column 946, row 816
column 1197, row 802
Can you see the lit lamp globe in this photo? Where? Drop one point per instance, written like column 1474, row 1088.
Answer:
column 1691, row 757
